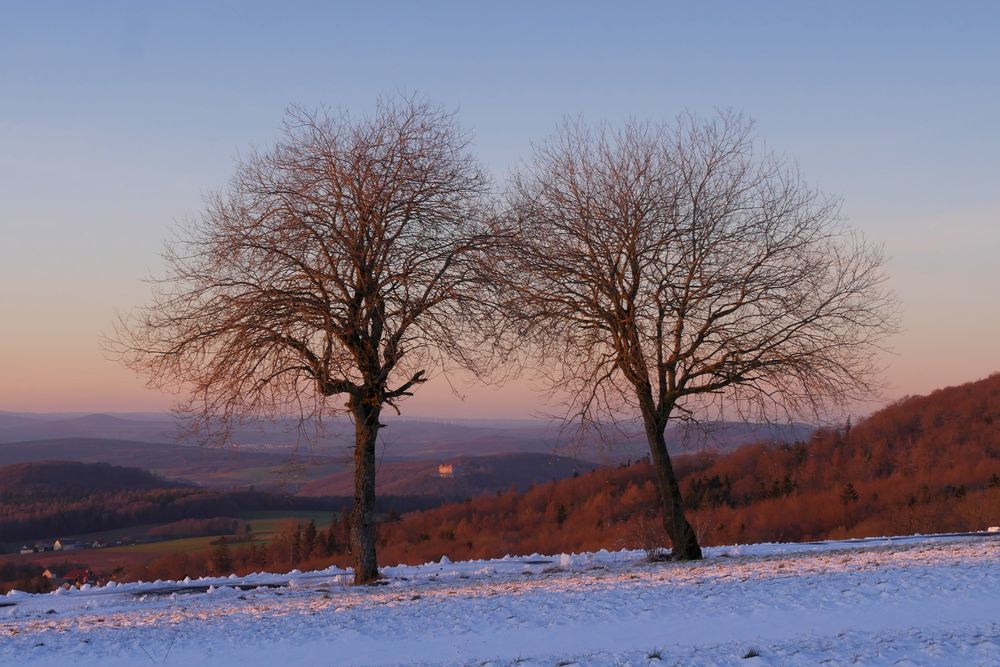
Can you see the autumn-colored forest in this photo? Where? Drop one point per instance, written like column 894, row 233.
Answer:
column 924, row 464
column 927, row 464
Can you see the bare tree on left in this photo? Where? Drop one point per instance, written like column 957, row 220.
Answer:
column 335, row 271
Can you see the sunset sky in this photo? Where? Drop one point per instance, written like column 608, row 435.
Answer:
column 116, row 118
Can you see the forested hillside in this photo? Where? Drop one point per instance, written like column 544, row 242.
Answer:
column 58, row 498
column 67, row 479
column 924, row 464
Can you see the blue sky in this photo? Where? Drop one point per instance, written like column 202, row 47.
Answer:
column 115, row 118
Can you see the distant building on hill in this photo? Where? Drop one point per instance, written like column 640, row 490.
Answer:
column 446, row 470
column 67, row 545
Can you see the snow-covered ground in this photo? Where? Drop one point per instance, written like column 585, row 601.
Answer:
column 903, row 601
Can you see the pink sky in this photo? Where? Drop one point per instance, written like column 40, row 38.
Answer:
column 52, row 360
column 115, row 122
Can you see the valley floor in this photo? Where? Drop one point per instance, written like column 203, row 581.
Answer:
column 900, row 601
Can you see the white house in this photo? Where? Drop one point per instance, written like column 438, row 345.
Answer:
column 66, row 545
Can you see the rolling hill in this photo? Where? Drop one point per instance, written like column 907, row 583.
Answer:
column 15, row 427
column 467, row 476
column 923, row 464
column 404, row 438
column 69, row 479
column 49, row 499
column 206, row 466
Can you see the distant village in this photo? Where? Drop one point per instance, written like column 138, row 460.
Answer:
column 66, row 544
column 78, row 577
column 73, row 575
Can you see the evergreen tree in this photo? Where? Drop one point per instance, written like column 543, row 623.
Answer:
column 222, row 562
column 347, row 530
column 296, row 550
column 849, row 494
column 332, row 545
column 561, row 515
column 308, row 539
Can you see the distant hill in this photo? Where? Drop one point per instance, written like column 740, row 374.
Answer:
column 16, row 427
column 466, row 477
column 64, row 478
column 49, row 499
column 215, row 467
column 441, row 440
column 406, row 438
column 924, row 464
column 11, row 421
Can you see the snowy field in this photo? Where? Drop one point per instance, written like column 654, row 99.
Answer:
column 902, row 601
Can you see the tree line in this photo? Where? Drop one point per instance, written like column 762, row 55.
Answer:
column 31, row 518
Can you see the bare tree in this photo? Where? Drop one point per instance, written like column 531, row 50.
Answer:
column 342, row 262
column 662, row 271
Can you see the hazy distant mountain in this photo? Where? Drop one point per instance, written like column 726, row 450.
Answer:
column 66, row 479
column 221, row 468
column 12, row 421
column 405, row 438
column 456, row 478
column 21, row 427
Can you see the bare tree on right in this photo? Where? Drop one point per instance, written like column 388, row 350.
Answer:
column 672, row 272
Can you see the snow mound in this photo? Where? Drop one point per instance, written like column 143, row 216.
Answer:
column 913, row 600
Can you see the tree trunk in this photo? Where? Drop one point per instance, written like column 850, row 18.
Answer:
column 366, row 424
column 683, row 540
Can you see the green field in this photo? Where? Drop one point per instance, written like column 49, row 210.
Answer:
column 263, row 524
column 184, row 545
